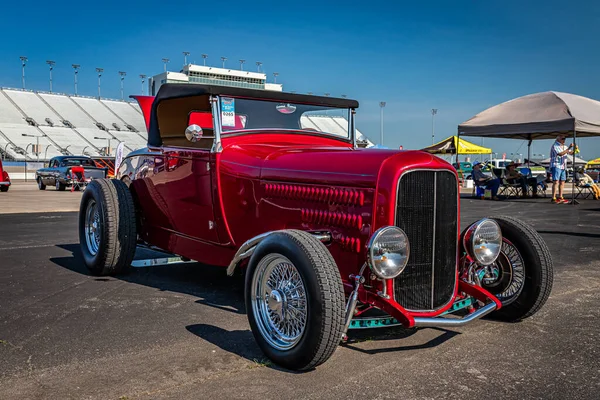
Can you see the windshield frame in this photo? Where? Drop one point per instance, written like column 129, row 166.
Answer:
column 215, row 102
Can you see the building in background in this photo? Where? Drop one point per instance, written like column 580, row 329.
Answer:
column 213, row 76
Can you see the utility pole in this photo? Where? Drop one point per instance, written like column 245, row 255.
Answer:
column 382, row 106
column 165, row 61
column 143, row 77
column 51, row 65
column 433, row 112
column 122, row 74
column 99, row 71
column 23, row 63
column 185, row 54
column 76, row 70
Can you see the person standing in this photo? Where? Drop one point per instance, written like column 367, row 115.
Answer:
column 558, row 167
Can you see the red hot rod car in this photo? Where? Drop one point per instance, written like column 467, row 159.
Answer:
column 330, row 236
column 4, row 179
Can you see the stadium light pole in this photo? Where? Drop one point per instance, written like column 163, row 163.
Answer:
column 76, row 70
column 23, row 63
column 51, row 65
column 165, row 61
column 107, row 151
column 275, row 75
column 242, row 64
column 433, row 112
column 99, row 71
column 343, row 96
column 143, row 77
column 223, row 59
column 382, row 106
column 185, row 54
column 122, row 75
column 37, row 143
column 258, row 65
column 204, row 57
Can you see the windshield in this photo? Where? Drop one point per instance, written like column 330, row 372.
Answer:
column 241, row 114
column 71, row 162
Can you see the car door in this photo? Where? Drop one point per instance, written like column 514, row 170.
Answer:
column 46, row 174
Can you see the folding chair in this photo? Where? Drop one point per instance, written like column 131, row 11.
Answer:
column 77, row 178
column 541, row 182
column 584, row 191
column 506, row 188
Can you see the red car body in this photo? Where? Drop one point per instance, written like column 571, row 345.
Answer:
column 4, row 179
column 205, row 205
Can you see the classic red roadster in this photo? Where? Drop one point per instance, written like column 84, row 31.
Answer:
column 330, row 236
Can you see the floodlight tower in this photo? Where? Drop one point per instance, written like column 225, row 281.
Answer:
column 275, row 75
column 165, row 61
column 242, row 64
column 223, row 59
column 185, row 54
column 204, row 57
column 258, row 65
column 76, row 71
column 23, row 63
column 99, row 71
column 433, row 112
column 122, row 74
column 382, row 106
column 51, row 65
column 143, row 77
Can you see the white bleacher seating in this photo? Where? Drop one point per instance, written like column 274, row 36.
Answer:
column 9, row 114
column 127, row 114
column 99, row 112
column 132, row 140
column 14, row 133
column 33, row 107
column 68, row 139
column 91, row 133
column 69, row 110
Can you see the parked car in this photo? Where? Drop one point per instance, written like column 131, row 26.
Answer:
column 59, row 172
column 465, row 167
column 329, row 236
column 4, row 179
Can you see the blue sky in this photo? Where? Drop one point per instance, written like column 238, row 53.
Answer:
column 460, row 57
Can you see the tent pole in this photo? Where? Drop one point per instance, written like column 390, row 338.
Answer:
column 573, row 201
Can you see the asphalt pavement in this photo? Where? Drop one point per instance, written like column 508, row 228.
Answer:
column 180, row 331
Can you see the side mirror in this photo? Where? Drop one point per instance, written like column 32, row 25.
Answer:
column 193, row 133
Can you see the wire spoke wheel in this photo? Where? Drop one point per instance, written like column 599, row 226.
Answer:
column 279, row 301
column 506, row 277
column 93, row 229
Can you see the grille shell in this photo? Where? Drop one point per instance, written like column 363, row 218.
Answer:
column 427, row 210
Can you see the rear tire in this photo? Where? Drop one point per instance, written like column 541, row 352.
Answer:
column 298, row 269
column 538, row 269
column 60, row 186
column 4, row 188
column 41, row 185
column 107, row 227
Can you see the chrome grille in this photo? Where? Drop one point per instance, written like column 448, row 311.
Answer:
column 427, row 211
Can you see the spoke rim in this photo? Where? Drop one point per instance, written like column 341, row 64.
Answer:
column 93, row 230
column 511, row 268
column 279, row 301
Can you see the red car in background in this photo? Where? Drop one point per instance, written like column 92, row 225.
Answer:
column 4, row 179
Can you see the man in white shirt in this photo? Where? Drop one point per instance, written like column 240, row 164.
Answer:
column 558, row 167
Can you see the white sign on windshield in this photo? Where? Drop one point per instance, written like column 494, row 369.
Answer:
column 227, row 111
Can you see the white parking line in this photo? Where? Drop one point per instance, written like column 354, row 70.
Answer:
column 27, row 247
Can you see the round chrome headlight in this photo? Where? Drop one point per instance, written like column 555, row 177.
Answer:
column 483, row 241
column 388, row 252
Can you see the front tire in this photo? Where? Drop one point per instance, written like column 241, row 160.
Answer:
column 41, row 185
column 295, row 300
column 527, row 257
column 60, row 186
column 107, row 227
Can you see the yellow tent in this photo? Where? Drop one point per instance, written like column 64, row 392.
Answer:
column 454, row 145
column 593, row 163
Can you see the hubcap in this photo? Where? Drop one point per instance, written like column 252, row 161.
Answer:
column 92, row 228
column 505, row 278
column 279, row 301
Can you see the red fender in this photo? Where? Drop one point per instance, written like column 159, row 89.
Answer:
column 145, row 103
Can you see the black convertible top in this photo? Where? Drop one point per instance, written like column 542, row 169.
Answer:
column 176, row 90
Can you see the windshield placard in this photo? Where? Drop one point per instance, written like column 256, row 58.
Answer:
column 227, row 111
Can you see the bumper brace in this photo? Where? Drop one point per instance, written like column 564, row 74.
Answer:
column 442, row 322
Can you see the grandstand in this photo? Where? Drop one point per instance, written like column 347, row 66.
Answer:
column 75, row 125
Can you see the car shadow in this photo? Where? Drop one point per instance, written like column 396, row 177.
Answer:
column 212, row 287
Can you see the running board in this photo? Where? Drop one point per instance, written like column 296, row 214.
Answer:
column 154, row 262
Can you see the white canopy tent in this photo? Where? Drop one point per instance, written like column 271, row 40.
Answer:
column 537, row 116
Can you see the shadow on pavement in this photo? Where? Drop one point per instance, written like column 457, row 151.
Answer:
column 578, row 234
column 393, row 334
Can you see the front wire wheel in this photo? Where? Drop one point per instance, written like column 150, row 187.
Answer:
column 505, row 278
column 279, row 301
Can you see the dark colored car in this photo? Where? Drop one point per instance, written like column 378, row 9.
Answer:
column 59, row 172
column 4, row 179
column 330, row 236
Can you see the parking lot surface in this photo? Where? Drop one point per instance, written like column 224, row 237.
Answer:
column 180, row 332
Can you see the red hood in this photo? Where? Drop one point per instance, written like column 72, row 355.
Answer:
column 321, row 164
